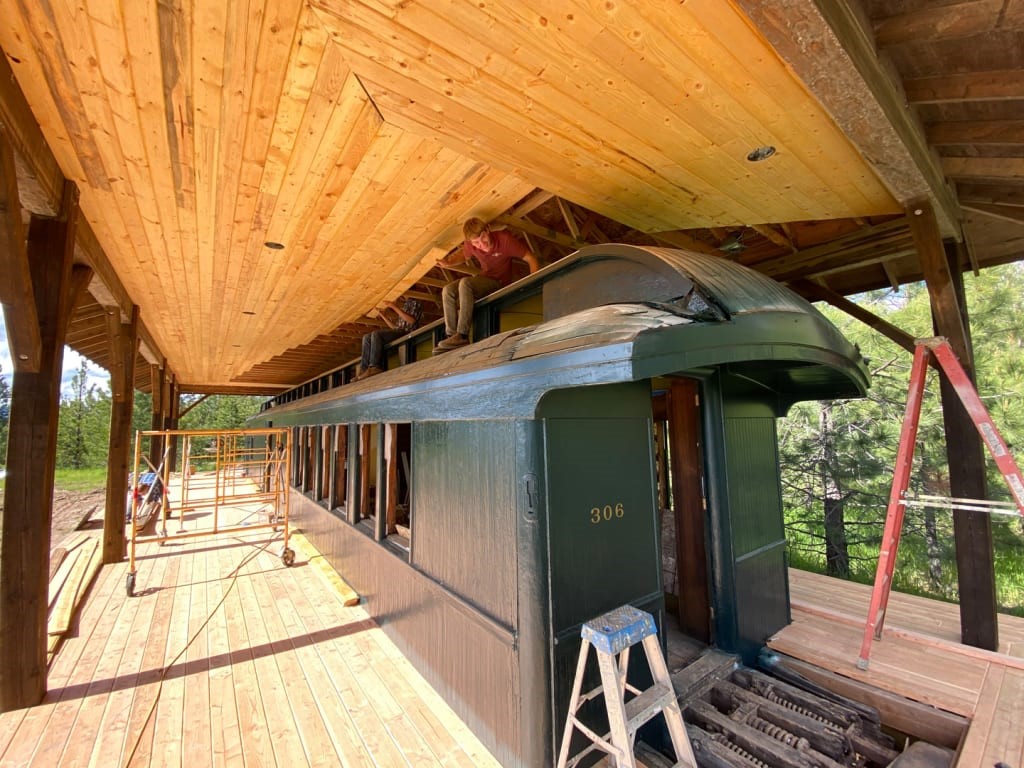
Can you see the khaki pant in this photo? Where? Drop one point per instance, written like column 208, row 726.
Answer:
column 458, row 297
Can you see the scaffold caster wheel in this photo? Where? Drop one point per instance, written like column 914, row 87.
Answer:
column 129, row 584
column 288, row 556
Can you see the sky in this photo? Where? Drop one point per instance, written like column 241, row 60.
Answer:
column 72, row 362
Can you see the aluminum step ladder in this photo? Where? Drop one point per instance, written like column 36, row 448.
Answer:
column 939, row 349
column 612, row 635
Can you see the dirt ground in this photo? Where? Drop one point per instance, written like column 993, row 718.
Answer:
column 72, row 511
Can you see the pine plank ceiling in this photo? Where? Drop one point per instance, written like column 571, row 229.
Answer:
column 359, row 134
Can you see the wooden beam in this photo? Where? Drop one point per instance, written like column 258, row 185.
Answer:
column 41, row 185
column 531, row 203
column 41, row 180
column 905, row 715
column 686, row 242
column 568, row 218
column 831, row 47
column 972, row 531
column 976, row 132
column 768, row 232
column 814, row 292
column 1011, row 213
column 31, row 460
column 545, row 233
column 993, row 194
column 1007, row 168
column 941, row 22
column 16, row 292
column 1001, row 85
column 124, row 342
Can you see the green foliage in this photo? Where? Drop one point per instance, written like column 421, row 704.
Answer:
column 84, row 427
column 219, row 411
column 853, row 459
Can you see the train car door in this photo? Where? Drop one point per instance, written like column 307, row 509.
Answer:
column 601, row 515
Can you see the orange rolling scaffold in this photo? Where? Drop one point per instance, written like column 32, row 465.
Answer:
column 231, row 481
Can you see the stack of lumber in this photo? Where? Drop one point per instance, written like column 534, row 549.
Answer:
column 72, row 567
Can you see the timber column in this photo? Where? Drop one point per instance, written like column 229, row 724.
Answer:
column 972, row 531
column 124, row 342
column 52, row 289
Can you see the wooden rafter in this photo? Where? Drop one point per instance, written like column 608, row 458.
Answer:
column 977, row 132
column 1011, row 213
column 972, row 86
column 941, row 22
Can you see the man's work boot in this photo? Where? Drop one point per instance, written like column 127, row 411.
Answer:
column 454, row 341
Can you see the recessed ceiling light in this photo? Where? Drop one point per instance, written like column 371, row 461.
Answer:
column 274, row 246
column 761, row 153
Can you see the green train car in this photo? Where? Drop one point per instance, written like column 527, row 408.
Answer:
column 486, row 502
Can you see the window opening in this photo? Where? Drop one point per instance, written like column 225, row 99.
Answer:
column 397, row 528
column 338, row 489
column 367, row 457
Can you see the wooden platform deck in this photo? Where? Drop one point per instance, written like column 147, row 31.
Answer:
column 225, row 657
column 918, row 657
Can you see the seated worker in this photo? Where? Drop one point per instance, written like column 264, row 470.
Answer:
column 496, row 252
column 406, row 318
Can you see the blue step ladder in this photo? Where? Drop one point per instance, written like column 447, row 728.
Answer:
column 612, row 635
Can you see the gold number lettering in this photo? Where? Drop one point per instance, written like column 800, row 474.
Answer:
column 606, row 513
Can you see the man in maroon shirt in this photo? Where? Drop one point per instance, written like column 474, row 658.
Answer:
column 496, row 252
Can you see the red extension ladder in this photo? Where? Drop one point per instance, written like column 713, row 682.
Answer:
column 946, row 359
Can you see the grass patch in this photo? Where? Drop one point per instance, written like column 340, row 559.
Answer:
column 80, row 479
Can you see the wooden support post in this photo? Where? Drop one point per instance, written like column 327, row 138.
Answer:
column 687, row 503
column 173, row 404
column 972, row 531
column 124, row 343
column 31, row 454
column 159, row 412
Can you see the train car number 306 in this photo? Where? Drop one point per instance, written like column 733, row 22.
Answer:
column 606, row 513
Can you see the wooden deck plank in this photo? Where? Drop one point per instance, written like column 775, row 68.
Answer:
column 252, row 718
column 142, row 718
column 898, row 665
column 328, row 705
column 994, row 737
column 33, row 721
column 919, row 656
column 226, row 737
column 167, row 735
column 113, row 735
column 460, row 746
column 304, row 722
column 83, row 697
column 197, row 727
column 102, row 681
column 330, row 618
column 280, row 722
column 919, row 614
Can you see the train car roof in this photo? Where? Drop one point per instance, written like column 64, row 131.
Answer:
column 701, row 314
